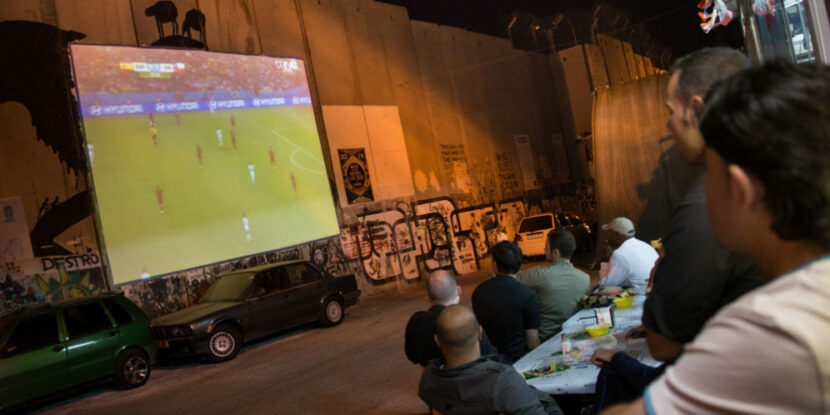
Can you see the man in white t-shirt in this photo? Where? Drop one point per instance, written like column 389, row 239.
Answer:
column 768, row 158
column 632, row 260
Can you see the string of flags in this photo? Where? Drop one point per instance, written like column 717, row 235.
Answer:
column 714, row 13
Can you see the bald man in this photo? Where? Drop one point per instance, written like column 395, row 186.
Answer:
column 466, row 383
column 442, row 291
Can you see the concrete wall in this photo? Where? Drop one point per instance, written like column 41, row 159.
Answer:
column 462, row 98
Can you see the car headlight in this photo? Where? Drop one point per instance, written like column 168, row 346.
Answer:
column 180, row 331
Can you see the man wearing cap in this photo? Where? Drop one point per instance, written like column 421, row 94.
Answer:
column 632, row 259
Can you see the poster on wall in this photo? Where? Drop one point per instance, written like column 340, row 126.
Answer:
column 15, row 244
column 526, row 162
column 355, row 175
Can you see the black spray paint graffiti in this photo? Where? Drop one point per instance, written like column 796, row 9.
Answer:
column 411, row 240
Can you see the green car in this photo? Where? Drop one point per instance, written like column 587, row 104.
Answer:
column 50, row 347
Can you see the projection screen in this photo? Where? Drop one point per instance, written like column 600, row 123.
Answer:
column 199, row 157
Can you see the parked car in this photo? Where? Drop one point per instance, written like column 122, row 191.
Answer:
column 50, row 347
column 253, row 303
column 581, row 231
column 532, row 233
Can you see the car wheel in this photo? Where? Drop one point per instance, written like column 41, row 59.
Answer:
column 132, row 368
column 223, row 344
column 332, row 312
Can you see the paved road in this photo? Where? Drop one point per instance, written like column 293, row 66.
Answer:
column 358, row 367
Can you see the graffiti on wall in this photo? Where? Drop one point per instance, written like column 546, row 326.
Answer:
column 409, row 240
column 54, row 278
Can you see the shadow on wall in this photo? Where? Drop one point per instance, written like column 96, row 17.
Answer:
column 663, row 193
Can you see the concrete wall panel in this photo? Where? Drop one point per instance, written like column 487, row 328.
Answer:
column 597, row 67
column 231, row 26
column 579, row 87
column 366, row 42
column 42, row 11
column 334, row 66
column 279, row 28
column 614, row 54
column 103, row 21
column 408, row 93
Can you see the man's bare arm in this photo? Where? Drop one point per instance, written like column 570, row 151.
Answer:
column 532, row 338
column 637, row 407
column 661, row 347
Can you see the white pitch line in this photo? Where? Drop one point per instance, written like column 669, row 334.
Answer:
column 293, row 153
column 298, row 149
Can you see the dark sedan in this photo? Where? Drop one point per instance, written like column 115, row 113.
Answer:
column 252, row 303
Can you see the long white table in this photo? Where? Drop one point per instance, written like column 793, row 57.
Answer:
column 581, row 377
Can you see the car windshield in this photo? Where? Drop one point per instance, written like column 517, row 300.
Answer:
column 536, row 224
column 228, row 288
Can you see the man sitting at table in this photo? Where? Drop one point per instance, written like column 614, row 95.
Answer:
column 696, row 277
column 559, row 286
column 767, row 136
column 466, row 383
column 506, row 308
column 442, row 291
column 632, row 259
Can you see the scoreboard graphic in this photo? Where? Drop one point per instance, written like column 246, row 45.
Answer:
column 152, row 70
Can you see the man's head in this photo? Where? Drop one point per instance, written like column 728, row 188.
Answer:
column 767, row 133
column 457, row 332
column 442, row 288
column 694, row 74
column 507, row 257
column 560, row 245
column 619, row 230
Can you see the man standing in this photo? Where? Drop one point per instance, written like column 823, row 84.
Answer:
column 199, row 154
column 632, row 259
column 442, row 291
column 251, row 171
column 469, row 384
column 246, row 226
column 271, row 157
column 160, row 198
column 154, row 133
column 219, row 136
column 767, row 137
column 559, row 286
column 506, row 308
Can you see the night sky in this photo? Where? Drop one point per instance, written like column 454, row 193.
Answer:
column 674, row 22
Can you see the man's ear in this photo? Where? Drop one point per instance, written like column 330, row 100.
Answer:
column 435, row 337
column 479, row 331
column 743, row 192
column 694, row 109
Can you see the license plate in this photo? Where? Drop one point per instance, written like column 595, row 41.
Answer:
column 164, row 344
column 534, row 236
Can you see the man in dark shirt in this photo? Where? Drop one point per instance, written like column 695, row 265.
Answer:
column 507, row 309
column 442, row 291
column 464, row 383
column 696, row 277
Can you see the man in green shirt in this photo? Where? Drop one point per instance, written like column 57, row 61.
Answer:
column 559, row 286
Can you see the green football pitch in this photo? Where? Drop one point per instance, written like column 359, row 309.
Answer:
column 162, row 209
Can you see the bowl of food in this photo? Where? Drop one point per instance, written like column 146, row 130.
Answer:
column 624, row 302
column 596, row 330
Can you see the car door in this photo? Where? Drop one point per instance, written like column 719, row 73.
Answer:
column 269, row 303
column 307, row 287
column 32, row 360
column 92, row 341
